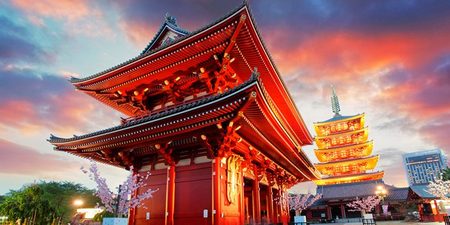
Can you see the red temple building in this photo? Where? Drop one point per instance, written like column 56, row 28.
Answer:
column 210, row 117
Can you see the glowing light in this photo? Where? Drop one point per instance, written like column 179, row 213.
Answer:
column 89, row 213
column 78, row 202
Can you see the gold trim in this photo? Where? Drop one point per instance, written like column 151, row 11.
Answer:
column 350, row 179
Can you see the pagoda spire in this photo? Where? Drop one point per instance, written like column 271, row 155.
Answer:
column 335, row 102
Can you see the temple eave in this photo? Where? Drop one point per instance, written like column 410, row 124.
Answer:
column 367, row 144
column 371, row 159
column 221, row 109
column 350, row 178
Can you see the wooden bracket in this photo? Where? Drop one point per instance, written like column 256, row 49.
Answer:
column 166, row 153
column 205, row 143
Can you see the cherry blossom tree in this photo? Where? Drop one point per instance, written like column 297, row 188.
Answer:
column 440, row 189
column 364, row 204
column 121, row 203
column 300, row 202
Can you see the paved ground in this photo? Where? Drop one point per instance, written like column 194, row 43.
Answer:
column 407, row 223
column 389, row 223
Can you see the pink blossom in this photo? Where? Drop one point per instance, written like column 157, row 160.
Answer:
column 440, row 189
column 299, row 202
column 126, row 198
column 364, row 204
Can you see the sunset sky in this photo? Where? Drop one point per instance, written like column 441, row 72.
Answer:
column 389, row 59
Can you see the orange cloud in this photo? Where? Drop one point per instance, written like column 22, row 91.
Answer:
column 346, row 54
column 61, row 9
column 403, row 74
column 139, row 33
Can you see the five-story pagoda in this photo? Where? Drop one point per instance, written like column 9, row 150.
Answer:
column 344, row 152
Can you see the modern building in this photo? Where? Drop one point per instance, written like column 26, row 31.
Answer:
column 210, row 118
column 344, row 151
column 424, row 166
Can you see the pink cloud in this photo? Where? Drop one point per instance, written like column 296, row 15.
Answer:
column 139, row 33
column 49, row 103
column 18, row 159
column 61, row 9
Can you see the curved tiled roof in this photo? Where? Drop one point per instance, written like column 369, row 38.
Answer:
column 144, row 54
column 338, row 117
column 253, row 78
column 351, row 190
column 167, row 24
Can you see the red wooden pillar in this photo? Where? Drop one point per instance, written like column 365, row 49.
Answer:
column 440, row 218
column 242, row 196
column 256, row 201
column 285, row 208
column 270, row 216
column 132, row 213
column 170, row 195
column 343, row 211
column 217, row 203
column 279, row 206
column 329, row 213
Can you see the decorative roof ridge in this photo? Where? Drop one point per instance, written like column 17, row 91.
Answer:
column 349, row 160
column 343, row 147
column 140, row 56
column 169, row 22
column 342, row 133
column 253, row 78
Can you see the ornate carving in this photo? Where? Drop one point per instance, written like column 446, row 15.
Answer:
column 233, row 171
column 212, row 76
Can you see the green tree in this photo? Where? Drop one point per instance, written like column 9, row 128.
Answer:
column 45, row 202
column 446, row 174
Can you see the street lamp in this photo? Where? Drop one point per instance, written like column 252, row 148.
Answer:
column 78, row 202
column 382, row 193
